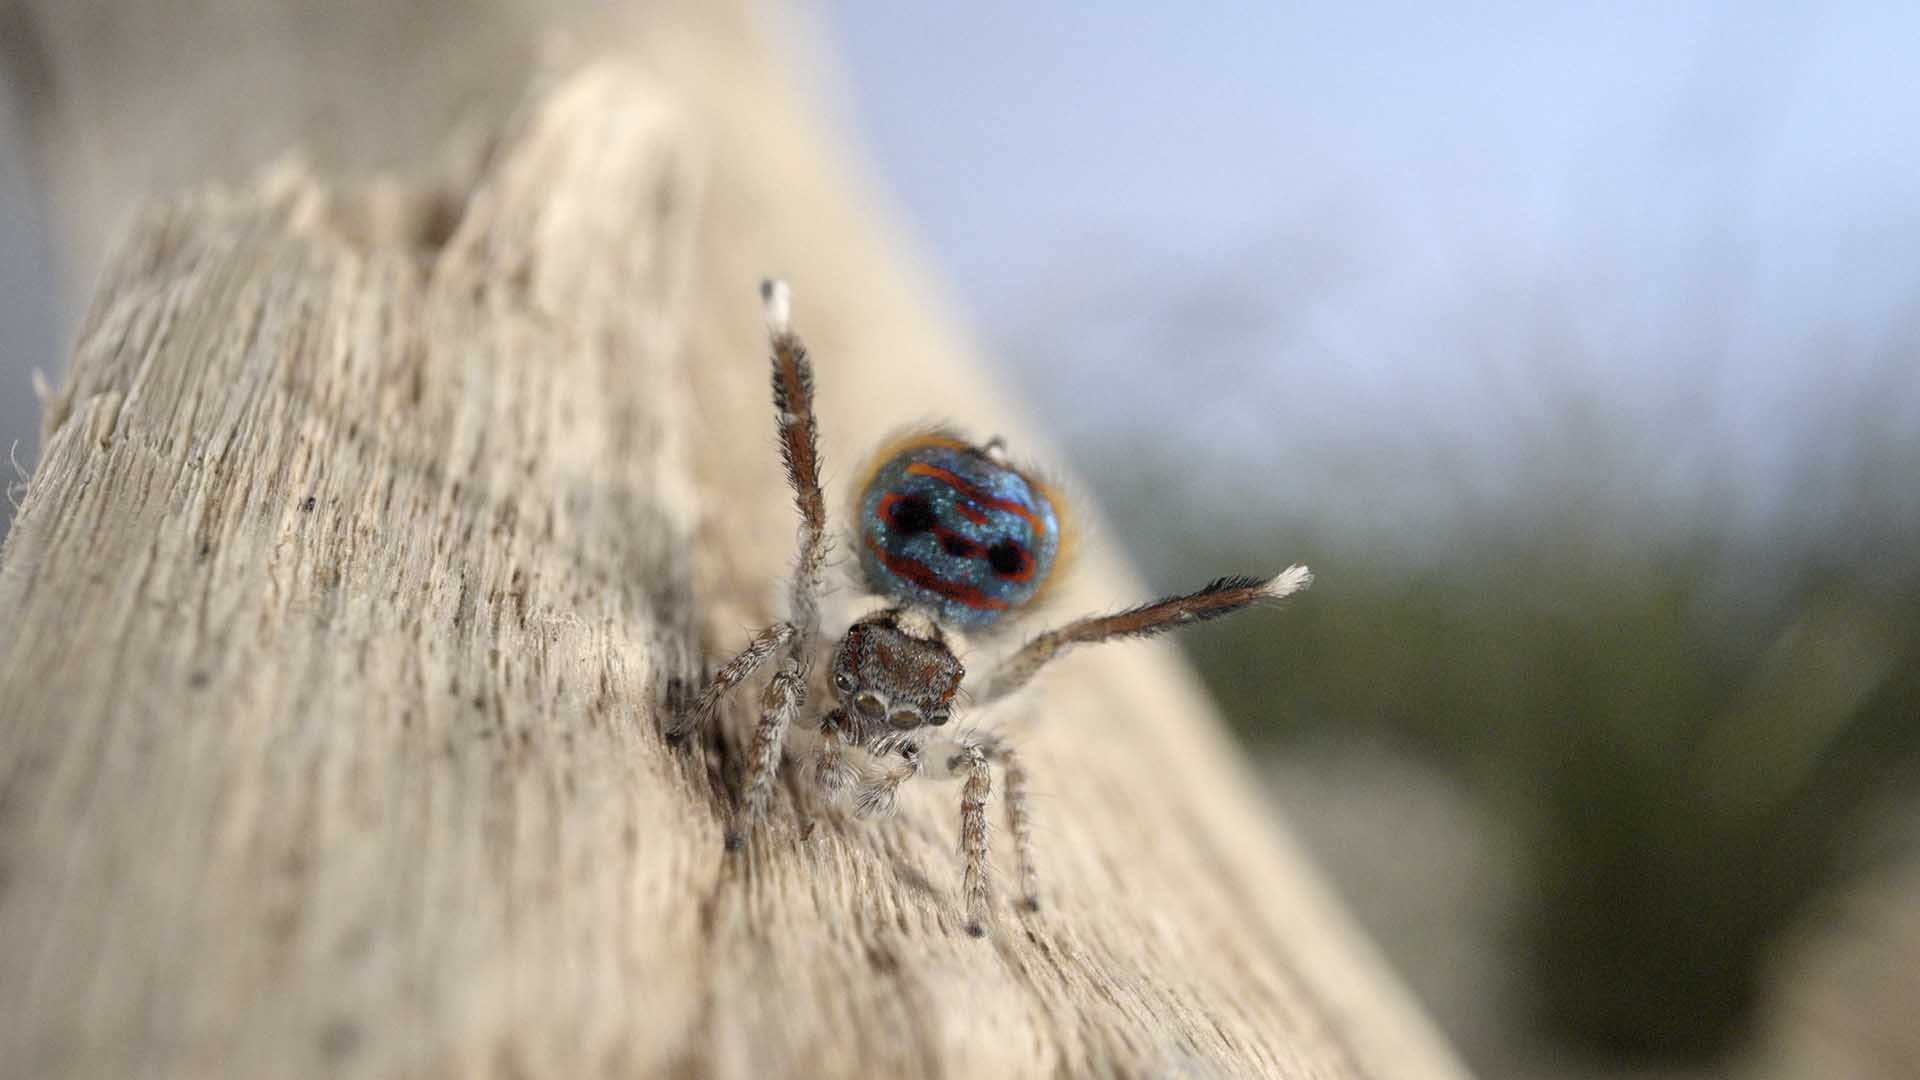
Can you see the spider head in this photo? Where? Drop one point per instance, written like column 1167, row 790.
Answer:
column 894, row 671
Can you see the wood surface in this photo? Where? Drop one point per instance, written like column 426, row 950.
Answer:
column 381, row 520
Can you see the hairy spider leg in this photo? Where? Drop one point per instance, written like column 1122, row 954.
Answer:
column 732, row 674
column 1020, row 823
column 779, row 705
column 876, row 797
column 830, row 768
column 797, row 637
column 1217, row 599
column 800, row 451
column 976, row 885
column 968, row 757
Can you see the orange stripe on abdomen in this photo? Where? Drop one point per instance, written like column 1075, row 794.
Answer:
column 974, row 493
column 919, row 573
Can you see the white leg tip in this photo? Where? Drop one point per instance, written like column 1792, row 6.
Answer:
column 777, row 301
column 1293, row 579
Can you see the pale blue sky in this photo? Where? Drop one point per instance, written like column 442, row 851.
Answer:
column 1363, row 231
column 1361, row 220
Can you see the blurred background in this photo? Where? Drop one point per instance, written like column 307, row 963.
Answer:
column 1575, row 347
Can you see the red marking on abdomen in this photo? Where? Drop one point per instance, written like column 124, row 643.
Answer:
column 956, row 545
column 924, row 576
column 1028, row 564
column 974, row 493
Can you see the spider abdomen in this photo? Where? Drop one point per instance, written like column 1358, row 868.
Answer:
column 949, row 527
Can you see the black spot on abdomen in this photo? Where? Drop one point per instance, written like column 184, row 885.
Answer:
column 912, row 514
column 1007, row 558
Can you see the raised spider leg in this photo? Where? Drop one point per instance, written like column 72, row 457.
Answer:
column 800, row 451
column 795, row 639
column 1222, row 597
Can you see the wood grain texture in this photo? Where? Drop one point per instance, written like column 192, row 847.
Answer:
column 377, row 526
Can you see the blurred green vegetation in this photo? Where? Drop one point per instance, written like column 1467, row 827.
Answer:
column 1694, row 717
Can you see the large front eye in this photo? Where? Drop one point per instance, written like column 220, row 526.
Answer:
column 870, row 706
column 906, row 719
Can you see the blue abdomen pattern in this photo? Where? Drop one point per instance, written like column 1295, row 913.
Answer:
column 945, row 526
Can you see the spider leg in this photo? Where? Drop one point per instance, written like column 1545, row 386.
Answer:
column 876, row 797
column 737, row 670
column 1013, row 770
column 779, row 704
column 1222, row 597
column 1019, row 823
column 831, row 769
column 969, row 757
column 800, row 451
column 976, row 886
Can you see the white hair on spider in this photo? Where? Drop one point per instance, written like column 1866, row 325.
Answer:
column 1293, row 579
column 777, row 301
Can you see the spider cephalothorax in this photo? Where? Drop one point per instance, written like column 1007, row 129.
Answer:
column 895, row 672
column 952, row 533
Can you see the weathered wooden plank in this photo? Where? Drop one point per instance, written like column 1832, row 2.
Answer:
column 377, row 526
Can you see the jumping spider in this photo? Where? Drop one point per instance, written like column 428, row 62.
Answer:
column 954, row 535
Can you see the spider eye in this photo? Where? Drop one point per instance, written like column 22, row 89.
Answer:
column 844, row 681
column 870, row 705
column 906, row 719
column 939, row 716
